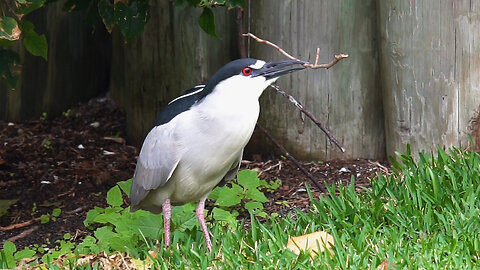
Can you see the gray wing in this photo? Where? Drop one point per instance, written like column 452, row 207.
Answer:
column 233, row 170
column 156, row 163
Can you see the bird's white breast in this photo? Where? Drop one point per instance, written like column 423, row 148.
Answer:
column 213, row 134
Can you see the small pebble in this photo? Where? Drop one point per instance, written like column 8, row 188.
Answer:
column 108, row 153
column 80, row 146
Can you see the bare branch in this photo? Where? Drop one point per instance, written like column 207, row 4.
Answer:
column 337, row 57
column 270, row 44
column 309, row 115
column 317, row 56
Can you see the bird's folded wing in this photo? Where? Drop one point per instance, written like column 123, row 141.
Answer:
column 156, row 163
column 232, row 172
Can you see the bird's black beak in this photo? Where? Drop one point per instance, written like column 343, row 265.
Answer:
column 276, row 69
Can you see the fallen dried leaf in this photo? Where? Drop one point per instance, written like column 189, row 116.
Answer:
column 311, row 242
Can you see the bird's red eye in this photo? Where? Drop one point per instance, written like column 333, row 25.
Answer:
column 247, row 71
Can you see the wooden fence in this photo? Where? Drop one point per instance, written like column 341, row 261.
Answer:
column 412, row 75
column 78, row 67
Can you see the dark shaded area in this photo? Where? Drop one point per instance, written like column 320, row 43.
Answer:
column 78, row 66
column 70, row 162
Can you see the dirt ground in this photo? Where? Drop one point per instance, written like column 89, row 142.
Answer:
column 71, row 161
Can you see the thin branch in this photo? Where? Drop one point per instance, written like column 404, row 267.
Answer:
column 22, row 234
column 337, row 57
column 317, row 56
column 290, row 157
column 309, row 115
column 20, row 225
column 270, row 44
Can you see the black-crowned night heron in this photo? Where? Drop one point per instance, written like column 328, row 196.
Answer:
column 198, row 139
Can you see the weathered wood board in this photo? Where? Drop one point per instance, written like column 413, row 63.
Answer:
column 346, row 98
column 430, row 70
column 77, row 69
column 173, row 55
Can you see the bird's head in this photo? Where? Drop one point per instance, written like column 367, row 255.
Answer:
column 251, row 75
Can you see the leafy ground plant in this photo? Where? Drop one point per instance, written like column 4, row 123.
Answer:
column 424, row 215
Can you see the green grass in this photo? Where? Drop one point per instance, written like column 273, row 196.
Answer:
column 423, row 216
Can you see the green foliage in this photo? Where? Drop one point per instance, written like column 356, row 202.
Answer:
column 50, row 217
column 131, row 18
column 207, row 18
column 12, row 27
column 207, row 22
column 244, row 194
column 424, row 215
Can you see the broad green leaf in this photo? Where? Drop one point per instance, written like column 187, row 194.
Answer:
column 44, row 219
column 106, row 11
column 34, row 43
column 125, row 186
column 7, row 254
column 56, row 212
column 114, row 196
column 132, row 18
column 256, row 195
column 207, row 22
column 25, row 253
column 30, row 6
column 248, row 179
column 225, row 216
column 92, row 214
column 9, row 29
column 253, row 206
column 229, row 196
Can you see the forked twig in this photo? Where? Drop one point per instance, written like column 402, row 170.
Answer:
column 337, row 57
column 309, row 115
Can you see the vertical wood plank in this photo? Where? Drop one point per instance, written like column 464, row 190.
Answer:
column 78, row 66
column 429, row 66
column 346, row 97
column 173, row 55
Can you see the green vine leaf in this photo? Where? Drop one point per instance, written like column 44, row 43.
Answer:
column 9, row 29
column 106, row 11
column 132, row 18
column 207, row 22
column 30, row 6
column 34, row 43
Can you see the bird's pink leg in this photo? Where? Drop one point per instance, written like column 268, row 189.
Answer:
column 201, row 219
column 167, row 214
